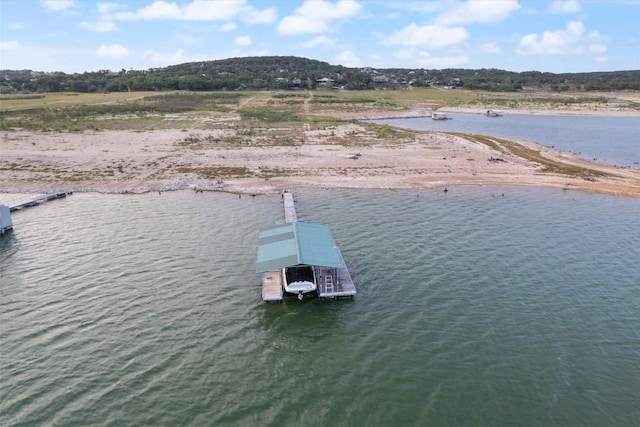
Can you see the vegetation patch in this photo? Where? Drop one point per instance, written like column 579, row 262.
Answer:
column 268, row 115
column 217, row 101
column 267, row 172
column 524, row 152
column 215, row 172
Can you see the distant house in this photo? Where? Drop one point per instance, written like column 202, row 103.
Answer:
column 381, row 79
column 323, row 81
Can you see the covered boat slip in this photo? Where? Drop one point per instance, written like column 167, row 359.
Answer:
column 302, row 244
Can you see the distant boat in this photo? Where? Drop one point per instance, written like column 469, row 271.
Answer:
column 494, row 113
column 439, row 116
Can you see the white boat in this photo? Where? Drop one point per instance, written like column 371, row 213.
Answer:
column 299, row 279
column 439, row 116
column 494, row 113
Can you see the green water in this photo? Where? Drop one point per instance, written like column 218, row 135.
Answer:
column 472, row 309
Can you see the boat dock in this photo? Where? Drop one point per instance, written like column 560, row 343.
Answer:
column 34, row 201
column 332, row 282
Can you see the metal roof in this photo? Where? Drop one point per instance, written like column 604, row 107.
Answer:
column 296, row 243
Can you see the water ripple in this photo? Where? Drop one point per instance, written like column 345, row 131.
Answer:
column 145, row 310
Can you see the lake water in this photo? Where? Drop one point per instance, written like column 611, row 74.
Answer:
column 482, row 306
column 610, row 140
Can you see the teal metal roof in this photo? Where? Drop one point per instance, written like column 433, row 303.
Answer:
column 296, row 243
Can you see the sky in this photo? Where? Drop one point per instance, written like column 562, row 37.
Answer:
column 555, row 36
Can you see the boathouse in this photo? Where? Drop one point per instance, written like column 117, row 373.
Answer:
column 301, row 244
column 6, row 223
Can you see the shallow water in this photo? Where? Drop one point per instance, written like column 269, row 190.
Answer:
column 473, row 308
column 610, row 140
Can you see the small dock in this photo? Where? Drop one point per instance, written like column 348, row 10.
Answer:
column 35, row 201
column 333, row 282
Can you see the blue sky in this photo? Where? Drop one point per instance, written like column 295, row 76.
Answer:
column 517, row 35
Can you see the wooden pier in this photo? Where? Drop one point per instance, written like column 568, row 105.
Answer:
column 34, row 201
column 289, row 207
column 331, row 282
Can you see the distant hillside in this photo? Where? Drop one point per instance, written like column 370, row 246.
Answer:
column 291, row 73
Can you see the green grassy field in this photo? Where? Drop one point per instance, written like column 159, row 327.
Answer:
column 153, row 110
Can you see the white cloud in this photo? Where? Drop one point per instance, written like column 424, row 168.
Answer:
column 228, row 27
column 347, row 59
column 112, row 51
column 107, row 8
column 565, row 6
column 99, row 26
column 325, row 10
column 424, row 59
column 253, row 16
column 427, row 7
column 200, row 10
column 243, row 41
column 320, row 41
column 314, row 15
column 596, row 37
column 105, row 22
column 57, row 5
column 296, row 24
column 491, row 47
column 602, row 59
column 477, row 11
column 559, row 42
column 9, row 44
column 427, row 36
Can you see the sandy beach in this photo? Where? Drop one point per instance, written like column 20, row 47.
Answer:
column 344, row 155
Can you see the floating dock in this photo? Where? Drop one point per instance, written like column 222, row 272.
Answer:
column 34, row 201
column 302, row 243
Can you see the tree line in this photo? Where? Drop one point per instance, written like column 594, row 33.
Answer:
column 295, row 73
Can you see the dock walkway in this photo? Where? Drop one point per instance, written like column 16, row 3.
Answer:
column 289, row 207
column 34, row 201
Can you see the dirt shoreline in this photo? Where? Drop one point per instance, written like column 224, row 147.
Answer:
column 348, row 155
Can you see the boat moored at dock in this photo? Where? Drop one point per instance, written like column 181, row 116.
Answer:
column 299, row 280
column 299, row 259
